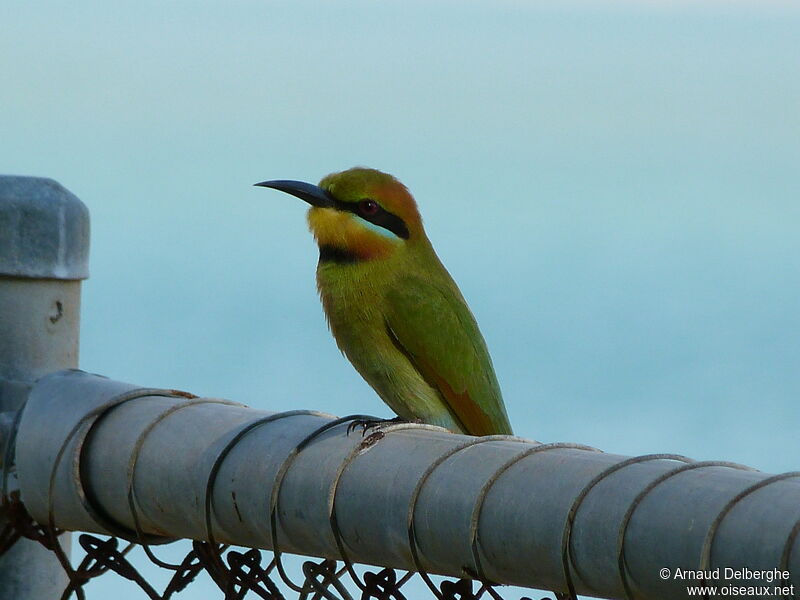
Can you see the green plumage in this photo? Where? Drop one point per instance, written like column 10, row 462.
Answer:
column 404, row 325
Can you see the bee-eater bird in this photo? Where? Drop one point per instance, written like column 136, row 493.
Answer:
column 393, row 308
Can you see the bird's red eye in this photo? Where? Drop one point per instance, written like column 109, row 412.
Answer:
column 368, row 207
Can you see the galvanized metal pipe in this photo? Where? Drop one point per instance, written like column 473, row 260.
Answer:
column 104, row 456
column 44, row 244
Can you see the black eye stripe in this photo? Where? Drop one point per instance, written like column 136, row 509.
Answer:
column 332, row 254
column 382, row 218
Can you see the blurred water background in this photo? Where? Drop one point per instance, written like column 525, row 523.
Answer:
column 614, row 185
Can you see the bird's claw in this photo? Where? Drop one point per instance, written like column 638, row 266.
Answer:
column 367, row 424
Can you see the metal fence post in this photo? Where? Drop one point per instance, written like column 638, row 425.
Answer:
column 44, row 246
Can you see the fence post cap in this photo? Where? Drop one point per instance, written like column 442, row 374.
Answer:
column 44, row 230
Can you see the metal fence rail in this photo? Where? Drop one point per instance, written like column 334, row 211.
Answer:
column 98, row 455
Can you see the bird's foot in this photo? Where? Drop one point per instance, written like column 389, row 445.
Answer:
column 367, row 424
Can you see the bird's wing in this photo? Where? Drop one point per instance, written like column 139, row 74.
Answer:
column 435, row 329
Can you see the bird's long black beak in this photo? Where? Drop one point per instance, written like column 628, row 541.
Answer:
column 313, row 194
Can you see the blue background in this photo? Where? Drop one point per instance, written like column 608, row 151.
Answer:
column 614, row 185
